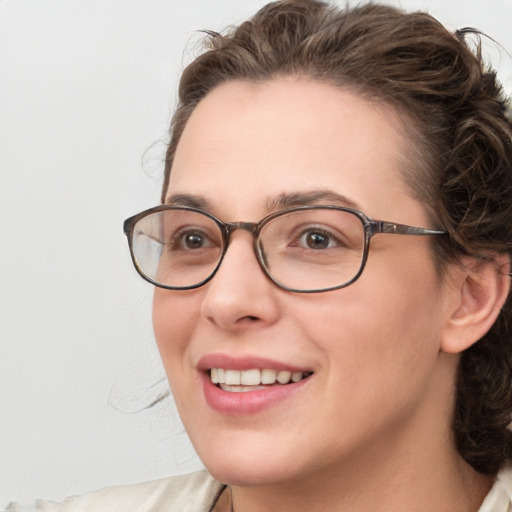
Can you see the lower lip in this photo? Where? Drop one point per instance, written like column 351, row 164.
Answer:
column 249, row 402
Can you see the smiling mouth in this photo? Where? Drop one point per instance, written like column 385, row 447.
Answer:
column 240, row 381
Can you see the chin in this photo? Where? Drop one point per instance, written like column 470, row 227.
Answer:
column 244, row 473
column 252, row 462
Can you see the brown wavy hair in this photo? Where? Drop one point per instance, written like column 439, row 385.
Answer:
column 460, row 154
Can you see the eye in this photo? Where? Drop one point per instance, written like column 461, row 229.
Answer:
column 187, row 239
column 318, row 239
column 315, row 240
column 193, row 240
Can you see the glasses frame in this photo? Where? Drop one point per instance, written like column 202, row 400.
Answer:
column 371, row 227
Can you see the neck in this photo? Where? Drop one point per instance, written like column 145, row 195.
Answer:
column 381, row 481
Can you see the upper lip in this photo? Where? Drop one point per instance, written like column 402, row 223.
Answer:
column 247, row 362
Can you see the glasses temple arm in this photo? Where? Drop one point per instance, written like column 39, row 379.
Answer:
column 382, row 226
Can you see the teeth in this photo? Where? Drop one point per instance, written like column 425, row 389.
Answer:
column 254, row 377
column 284, row 377
column 250, row 377
column 296, row 376
column 239, row 389
column 233, row 378
column 268, row 376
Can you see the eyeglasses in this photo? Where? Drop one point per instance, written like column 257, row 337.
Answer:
column 304, row 249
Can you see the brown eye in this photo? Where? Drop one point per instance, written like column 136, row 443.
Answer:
column 315, row 240
column 193, row 241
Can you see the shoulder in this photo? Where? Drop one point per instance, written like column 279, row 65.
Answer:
column 195, row 492
column 499, row 498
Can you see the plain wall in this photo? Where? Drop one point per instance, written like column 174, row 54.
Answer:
column 86, row 92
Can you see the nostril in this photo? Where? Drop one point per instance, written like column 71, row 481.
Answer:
column 248, row 319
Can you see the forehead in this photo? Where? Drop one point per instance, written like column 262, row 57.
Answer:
column 246, row 142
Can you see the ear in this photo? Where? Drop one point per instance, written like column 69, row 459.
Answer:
column 478, row 290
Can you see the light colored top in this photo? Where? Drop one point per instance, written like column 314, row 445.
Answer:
column 199, row 492
column 499, row 498
column 195, row 492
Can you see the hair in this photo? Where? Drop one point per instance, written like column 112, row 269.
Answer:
column 460, row 158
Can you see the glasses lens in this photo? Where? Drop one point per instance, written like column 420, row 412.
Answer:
column 177, row 248
column 313, row 249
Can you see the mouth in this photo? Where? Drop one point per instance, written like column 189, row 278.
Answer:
column 243, row 381
column 250, row 384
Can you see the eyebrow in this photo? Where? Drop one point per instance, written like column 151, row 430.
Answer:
column 280, row 202
column 191, row 200
column 326, row 196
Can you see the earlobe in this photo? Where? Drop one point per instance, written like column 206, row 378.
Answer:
column 479, row 291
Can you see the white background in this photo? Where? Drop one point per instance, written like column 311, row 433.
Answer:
column 86, row 92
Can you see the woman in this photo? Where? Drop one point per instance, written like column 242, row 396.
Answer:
column 332, row 269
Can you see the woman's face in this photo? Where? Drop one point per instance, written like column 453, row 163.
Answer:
column 370, row 351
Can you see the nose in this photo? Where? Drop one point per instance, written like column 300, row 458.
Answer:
column 240, row 296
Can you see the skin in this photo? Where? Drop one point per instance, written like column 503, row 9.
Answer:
column 371, row 429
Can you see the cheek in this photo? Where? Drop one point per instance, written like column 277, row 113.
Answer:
column 174, row 319
column 381, row 331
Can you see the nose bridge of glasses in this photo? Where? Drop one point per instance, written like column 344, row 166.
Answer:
column 251, row 227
